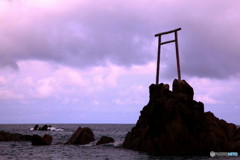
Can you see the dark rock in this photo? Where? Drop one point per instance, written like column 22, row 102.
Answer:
column 173, row 123
column 47, row 139
column 35, row 127
column 104, row 140
column 38, row 140
column 44, row 128
column 6, row 136
column 23, row 137
column 184, row 90
column 81, row 136
column 236, row 137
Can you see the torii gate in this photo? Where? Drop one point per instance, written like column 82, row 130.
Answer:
column 159, row 49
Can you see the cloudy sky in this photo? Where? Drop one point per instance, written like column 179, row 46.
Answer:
column 87, row 61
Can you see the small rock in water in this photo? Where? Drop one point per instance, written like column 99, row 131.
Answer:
column 104, row 140
column 35, row 127
column 81, row 136
column 38, row 140
column 6, row 136
column 44, row 128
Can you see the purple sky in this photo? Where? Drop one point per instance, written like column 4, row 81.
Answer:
column 93, row 61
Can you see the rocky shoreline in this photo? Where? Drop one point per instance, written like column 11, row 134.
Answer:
column 81, row 136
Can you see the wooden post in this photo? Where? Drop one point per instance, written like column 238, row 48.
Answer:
column 158, row 59
column 177, row 57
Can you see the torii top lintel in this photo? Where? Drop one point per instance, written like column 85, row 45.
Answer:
column 175, row 30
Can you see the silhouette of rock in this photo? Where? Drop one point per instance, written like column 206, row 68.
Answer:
column 6, row 136
column 44, row 128
column 81, row 136
column 35, row 127
column 104, row 140
column 38, row 140
column 173, row 123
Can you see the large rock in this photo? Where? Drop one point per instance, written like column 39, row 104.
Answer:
column 38, row 140
column 6, row 136
column 174, row 123
column 81, row 136
column 104, row 140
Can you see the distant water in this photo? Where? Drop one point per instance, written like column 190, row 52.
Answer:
column 24, row 150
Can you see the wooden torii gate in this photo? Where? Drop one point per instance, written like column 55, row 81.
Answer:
column 159, row 49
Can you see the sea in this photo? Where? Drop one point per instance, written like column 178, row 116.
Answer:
column 62, row 132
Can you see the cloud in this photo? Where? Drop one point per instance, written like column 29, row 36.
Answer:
column 50, row 90
column 46, row 89
column 53, row 81
column 88, row 33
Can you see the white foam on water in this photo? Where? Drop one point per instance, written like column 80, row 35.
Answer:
column 89, row 144
column 51, row 129
column 118, row 144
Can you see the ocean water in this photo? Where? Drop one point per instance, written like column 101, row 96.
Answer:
column 115, row 151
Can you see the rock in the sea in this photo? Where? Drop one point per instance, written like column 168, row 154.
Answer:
column 38, row 140
column 35, row 127
column 174, row 123
column 104, row 140
column 6, row 136
column 81, row 136
column 44, row 128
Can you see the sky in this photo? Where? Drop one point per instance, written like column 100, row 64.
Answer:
column 86, row 61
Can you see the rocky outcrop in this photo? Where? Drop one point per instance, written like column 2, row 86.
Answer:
column 6, row 136
column 104, row 140
column 173, row 123
column 81, row 136
column 43, row 128
column 38, row 140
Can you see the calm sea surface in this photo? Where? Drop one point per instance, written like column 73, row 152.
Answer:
column 24, row 150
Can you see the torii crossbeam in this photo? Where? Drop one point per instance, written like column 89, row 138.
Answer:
column 159, row 49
